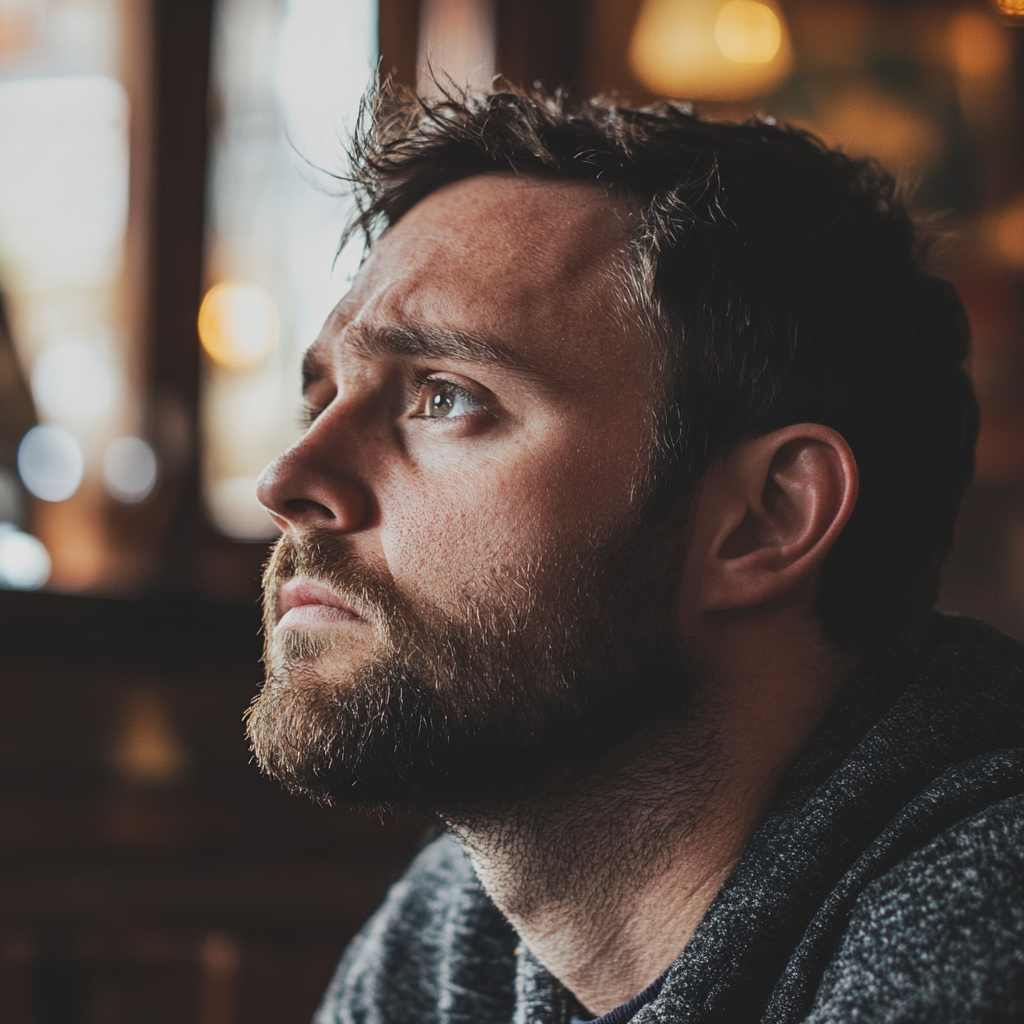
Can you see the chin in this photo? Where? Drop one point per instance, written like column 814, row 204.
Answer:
column 325, row 651
column 422, row 708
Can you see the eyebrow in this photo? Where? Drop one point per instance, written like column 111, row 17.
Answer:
column 414, row 342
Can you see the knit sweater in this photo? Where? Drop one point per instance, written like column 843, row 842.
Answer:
column 885, row 882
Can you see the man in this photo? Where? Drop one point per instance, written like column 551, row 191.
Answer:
column 633, row 455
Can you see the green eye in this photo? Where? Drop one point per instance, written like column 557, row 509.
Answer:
column 441, row 403
column 445, row 400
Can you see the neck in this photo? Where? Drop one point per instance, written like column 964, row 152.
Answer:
column 607, row 872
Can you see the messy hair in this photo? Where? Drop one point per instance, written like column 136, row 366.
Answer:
column 782, row 281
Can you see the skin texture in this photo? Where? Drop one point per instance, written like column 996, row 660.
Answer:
column 547, row 444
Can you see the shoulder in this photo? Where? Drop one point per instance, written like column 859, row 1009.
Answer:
column 973, row 665
column 436, row 941
column 940, row 936
column 965, row 646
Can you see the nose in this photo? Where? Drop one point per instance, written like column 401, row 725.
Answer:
column 303, row 489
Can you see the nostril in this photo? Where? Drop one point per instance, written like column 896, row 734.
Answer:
column 306, row 506
column 300, row 492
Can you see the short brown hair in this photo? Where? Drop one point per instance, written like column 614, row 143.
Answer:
column 785, row 281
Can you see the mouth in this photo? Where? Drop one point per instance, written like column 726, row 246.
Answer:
column 301, row 603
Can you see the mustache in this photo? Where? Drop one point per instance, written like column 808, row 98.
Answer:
column 327, row 560
column 411, row 629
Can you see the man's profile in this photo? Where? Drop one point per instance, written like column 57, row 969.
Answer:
column 632, row 458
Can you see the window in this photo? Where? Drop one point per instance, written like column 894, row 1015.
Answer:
column 287, row 80
column 68, row 204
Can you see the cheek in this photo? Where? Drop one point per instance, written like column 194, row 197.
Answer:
column 450, row 531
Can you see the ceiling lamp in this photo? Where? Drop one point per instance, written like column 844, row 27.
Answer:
column 710, row 49
column 1011, row 10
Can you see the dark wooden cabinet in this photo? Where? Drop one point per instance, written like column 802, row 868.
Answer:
column 147, row 872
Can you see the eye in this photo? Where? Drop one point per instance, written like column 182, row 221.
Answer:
column 441, row 399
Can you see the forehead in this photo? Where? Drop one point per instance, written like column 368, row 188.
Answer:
column 521, row 260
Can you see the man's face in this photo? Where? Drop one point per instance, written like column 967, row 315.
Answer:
column 465, row 596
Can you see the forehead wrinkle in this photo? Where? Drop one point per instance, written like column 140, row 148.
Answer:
column 422, row 342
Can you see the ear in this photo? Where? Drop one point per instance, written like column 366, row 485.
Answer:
column 768, row 514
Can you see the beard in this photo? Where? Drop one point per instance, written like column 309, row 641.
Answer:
column 482, row 700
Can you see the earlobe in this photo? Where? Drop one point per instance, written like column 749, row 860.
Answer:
column 771, row 511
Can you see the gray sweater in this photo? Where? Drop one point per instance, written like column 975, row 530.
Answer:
column 885, row 883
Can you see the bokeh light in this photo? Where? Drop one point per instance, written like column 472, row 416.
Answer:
column 706, row 49
column 326, row 50
column 129, row 469
column 978, row 47
column 748, row 32
column 236, row 512
column 1008, row 231
column 75, row 307
column 149, row 750
column 73, row 382
column 1011, row 9
column 19, row 22
column 287, row 78
column 57, row 228
column 24, row 561
column 238, row 324
column 51, row 463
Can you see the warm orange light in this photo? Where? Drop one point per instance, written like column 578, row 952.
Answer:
column 238, row 324
column 1008, row 234
column 19, row 23
column 865, row 121
column 978, row 47
column 707, row 49
column 148, row 749
column 1013, row 9
column 747, row 32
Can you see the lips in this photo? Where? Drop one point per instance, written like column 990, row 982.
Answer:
column 301, row 602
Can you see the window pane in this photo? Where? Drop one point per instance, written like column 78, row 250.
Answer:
column 64, row 205
column 288, row 77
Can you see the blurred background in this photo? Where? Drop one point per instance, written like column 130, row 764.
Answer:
column 168, row 227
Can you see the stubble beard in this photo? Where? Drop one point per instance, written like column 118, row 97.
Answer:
column 537, row 670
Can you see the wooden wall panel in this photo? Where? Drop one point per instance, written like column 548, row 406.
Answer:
column 398, row 32
column 539, row 41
